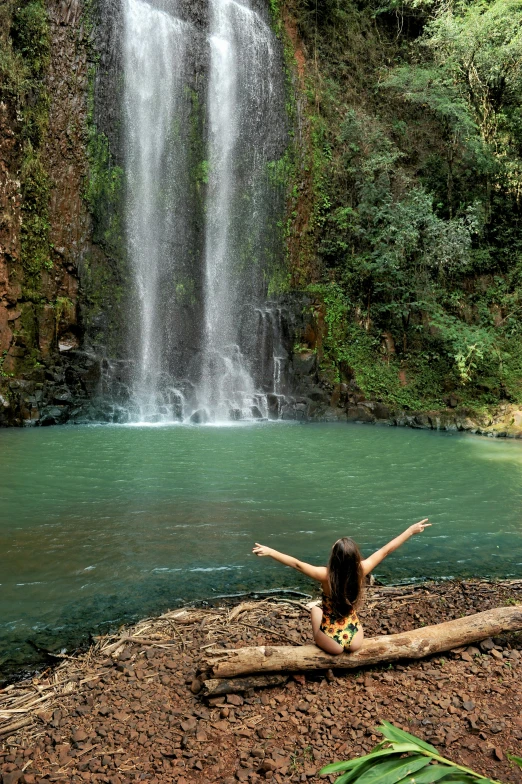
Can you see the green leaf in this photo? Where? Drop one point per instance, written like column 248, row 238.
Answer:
column 396, row 735
column 514, row 758
column 353, row 775
column 368, row 763
column 455, row 776
column 338, row 767
column 430, row 775
column 443, row 774
column 398, row 748
column 392, row 771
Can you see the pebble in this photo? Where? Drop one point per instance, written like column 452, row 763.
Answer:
column 235, row 699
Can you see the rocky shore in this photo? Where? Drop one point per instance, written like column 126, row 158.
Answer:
column 132, row 707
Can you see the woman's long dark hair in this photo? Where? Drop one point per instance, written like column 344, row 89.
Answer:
column 345, row 577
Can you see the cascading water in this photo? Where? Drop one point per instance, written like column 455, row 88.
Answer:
column 198, row 248
column 240, row 89
column 155, row 45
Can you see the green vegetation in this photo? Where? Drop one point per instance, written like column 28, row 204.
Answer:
column 413, row 166
column 104, row 269
column 104, row 187
column 402, row 758
column 24, row 61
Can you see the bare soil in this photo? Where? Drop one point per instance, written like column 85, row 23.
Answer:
column 131, row 708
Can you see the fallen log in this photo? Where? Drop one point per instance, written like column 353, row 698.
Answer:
column 215, row 687
column 408, row 645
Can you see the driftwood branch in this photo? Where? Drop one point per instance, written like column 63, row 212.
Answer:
column 218, row 686
column 409, row 645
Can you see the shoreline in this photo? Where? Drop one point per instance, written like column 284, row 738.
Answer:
column 47, row 658
column 501, row 421
column 131, row 707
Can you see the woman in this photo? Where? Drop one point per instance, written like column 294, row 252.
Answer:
column 336, row 627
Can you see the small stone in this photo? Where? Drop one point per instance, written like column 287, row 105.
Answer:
column 244, row 733
column 13, row 777
column 195, row 686
column 222, row 726
column 235, row 699
column 496, row 654
column 498, row 754
column 487, row 645
column 468, row 705
column 264, row 734
column 268, row 764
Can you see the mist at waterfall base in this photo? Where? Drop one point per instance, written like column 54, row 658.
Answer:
column 105, row 524
column 197, row 313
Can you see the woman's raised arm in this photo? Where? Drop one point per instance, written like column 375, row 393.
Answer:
column 315, row 572
column 374, row 560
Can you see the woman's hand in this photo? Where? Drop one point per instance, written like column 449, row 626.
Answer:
column 260, row 549
column 419, row 527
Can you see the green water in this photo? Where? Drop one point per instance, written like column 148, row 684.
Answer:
column 102, row 524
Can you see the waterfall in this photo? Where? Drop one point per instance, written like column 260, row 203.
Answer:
column 240, row 85
column 198, row 248
column 155, row 45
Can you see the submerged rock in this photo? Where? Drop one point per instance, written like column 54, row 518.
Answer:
column 199, row 417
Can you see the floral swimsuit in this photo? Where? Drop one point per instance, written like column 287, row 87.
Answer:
column 342, row 630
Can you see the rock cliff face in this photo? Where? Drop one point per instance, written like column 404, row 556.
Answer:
column 67, row 304
column 42, row 370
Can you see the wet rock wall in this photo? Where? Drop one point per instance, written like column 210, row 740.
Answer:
column 66, row 323
column 40, row 322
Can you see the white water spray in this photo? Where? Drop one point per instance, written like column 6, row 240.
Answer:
column 155, row 46
column 239, row 83
column 189, row 272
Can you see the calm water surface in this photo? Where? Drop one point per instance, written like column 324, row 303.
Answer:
column 102, row 524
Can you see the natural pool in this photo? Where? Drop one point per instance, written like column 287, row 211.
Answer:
column 102, row 524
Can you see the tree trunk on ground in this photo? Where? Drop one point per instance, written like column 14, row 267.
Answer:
column 408, row 645
column 218, row 686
